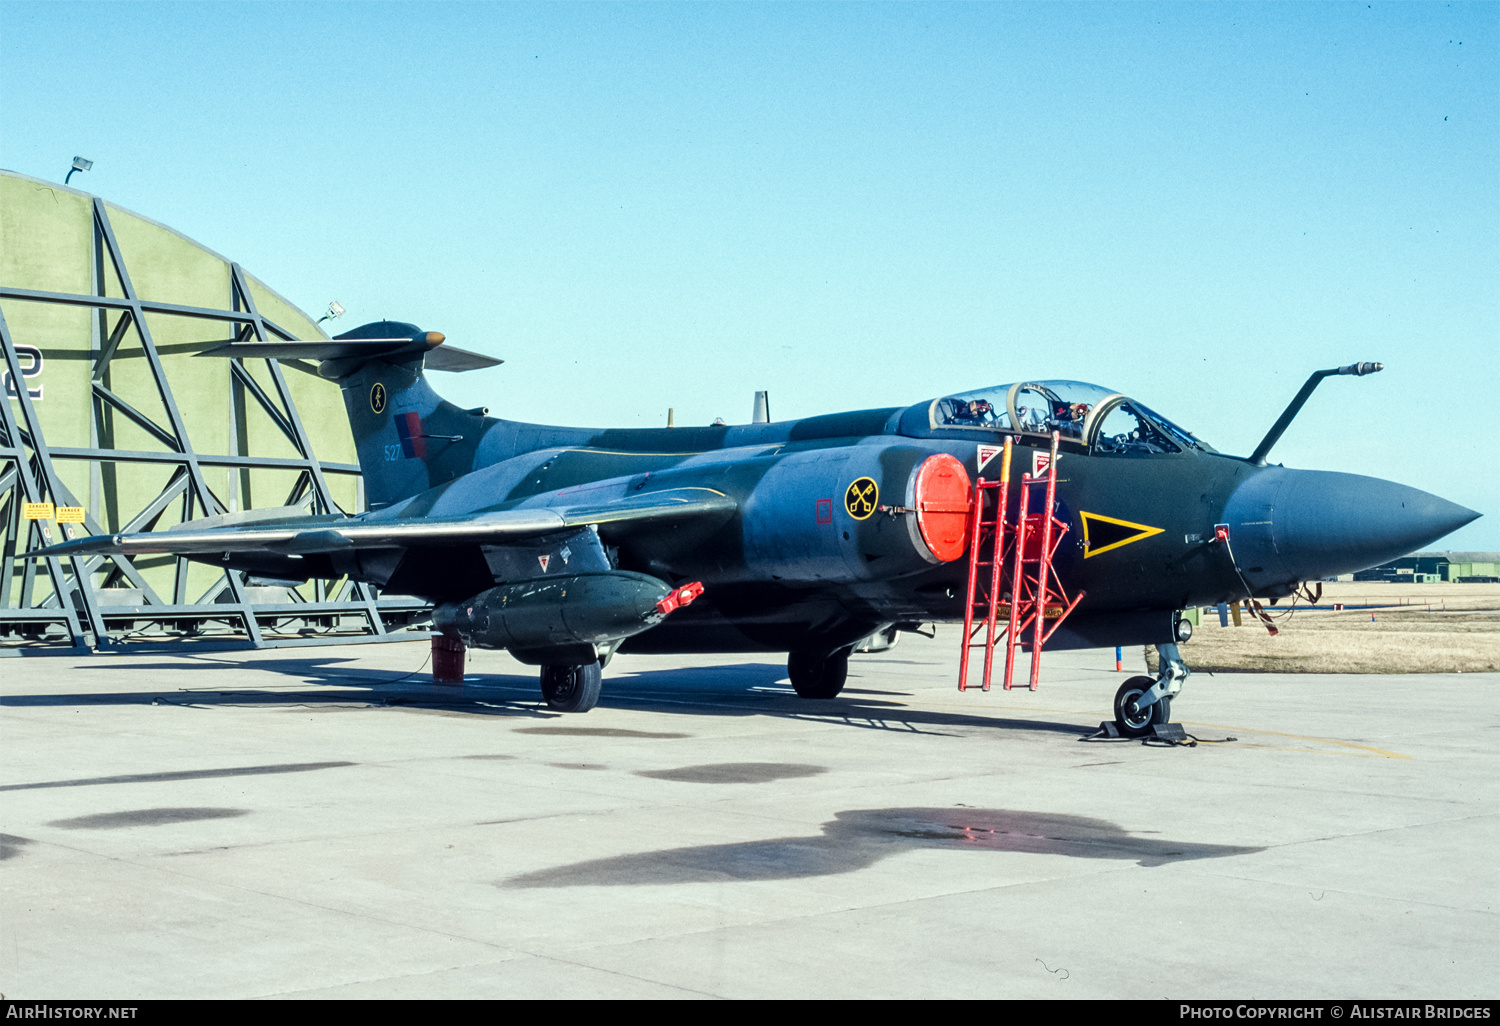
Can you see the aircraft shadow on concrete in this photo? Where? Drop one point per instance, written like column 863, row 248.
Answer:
column 860, row 838
column 146, row 817
column 338, row 685
column 314, row 669
column 11, row 845
column 760, row 689
column 736, row 689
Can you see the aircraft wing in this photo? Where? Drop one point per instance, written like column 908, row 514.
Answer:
column 331, row 534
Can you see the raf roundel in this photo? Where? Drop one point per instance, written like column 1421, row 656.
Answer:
column 861, row 497
column 377, row 398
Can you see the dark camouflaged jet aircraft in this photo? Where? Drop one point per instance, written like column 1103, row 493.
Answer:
column 565, row 544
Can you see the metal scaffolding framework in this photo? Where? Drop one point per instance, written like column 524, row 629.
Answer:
column 82, row 604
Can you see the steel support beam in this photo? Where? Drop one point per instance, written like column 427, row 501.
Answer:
column 48, row 488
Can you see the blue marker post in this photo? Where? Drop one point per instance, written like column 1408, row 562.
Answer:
column 1119, row 660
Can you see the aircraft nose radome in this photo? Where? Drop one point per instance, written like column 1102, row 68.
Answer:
column 1290, row 525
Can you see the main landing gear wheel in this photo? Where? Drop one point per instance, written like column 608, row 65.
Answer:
column 818, row 675
column 1135, row 722
column 572, row 688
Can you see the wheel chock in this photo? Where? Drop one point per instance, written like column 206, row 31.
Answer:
column 1167, row 733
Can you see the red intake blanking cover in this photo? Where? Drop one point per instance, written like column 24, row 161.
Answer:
column 944, row 495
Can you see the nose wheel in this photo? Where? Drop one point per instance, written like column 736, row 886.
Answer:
column 1134, row 721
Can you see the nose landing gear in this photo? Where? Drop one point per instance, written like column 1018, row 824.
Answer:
column 1142, row 704
column 1131, row 718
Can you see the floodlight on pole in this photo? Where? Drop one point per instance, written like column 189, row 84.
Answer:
column 335, row 311
column 79, row 164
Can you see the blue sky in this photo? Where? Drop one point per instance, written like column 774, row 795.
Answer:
column 644, row 206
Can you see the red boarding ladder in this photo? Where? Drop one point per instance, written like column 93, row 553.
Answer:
column 1026, row 548
column 987, row 545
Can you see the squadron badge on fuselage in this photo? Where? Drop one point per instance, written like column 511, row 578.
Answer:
column 861, row 498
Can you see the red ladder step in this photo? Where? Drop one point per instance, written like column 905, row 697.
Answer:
column 1030, row 544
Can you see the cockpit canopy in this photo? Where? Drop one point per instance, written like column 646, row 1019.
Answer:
column 1108, row 422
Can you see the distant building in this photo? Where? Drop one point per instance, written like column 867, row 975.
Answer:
column 1432, row 567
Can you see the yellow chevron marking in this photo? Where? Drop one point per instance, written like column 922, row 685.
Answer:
column 1141, row 531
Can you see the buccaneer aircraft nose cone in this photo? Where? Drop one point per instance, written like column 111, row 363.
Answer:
column 1302, row 525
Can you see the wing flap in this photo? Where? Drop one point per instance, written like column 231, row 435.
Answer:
column 323, row 534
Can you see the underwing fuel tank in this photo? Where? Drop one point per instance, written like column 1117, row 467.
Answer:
column 557, row 612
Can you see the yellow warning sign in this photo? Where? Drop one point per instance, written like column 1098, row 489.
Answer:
column 36, row 510
column 861, row 497
column 1104, row 534
column 70, row 514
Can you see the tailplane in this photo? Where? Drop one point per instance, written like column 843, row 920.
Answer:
column 408, row 437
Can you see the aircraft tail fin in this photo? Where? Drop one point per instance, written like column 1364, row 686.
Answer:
column 408, row 437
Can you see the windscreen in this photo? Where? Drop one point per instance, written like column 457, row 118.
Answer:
column 1187, row 439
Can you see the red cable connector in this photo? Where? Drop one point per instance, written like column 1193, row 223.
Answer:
column 678, row 597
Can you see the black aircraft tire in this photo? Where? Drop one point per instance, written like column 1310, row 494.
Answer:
column 1139, row 723
column 572, row 688
column 816, row 675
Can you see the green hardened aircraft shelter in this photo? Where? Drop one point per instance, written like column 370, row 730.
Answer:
column 112, row 423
